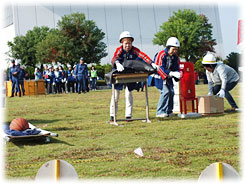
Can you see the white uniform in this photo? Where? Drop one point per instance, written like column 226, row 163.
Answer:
column 129, row 102
column 221, row 75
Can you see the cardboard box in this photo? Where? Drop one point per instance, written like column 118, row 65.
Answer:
column 210, row 104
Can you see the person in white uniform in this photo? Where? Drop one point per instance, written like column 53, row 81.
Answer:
column 221, row 78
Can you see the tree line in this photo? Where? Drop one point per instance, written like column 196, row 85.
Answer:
column 75, row 36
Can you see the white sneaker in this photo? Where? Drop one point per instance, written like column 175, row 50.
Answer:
column 238, row 110
column 162, row 115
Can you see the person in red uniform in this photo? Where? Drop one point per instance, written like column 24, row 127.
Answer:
column 167, row 62
column 126, row 52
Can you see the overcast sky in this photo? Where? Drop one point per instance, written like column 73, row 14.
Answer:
column 229, row 16
column 229, row 11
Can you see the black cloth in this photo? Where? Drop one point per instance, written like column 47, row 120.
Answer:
column 131, row 66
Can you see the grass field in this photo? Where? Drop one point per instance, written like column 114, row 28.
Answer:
column 174, row 148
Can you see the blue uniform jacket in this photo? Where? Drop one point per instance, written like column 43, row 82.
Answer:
column 45, row 75
column 21, row 75
column 12, row 70
column 63, row 74
column 69, row 76
column 134, row 54
column 81, row 69
column 58, row 76
column 51, row 77
column 167, row 64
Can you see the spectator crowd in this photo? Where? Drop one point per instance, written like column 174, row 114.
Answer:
column 75, row 79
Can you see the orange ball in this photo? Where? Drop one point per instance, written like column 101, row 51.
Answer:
column 19, row 124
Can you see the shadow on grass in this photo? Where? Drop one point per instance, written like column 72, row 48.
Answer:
column 61, row 128
column 230, row 111
column 187, row 118
column 226, row 112
column 37, row 141
column 41, row 121
column 174, row 118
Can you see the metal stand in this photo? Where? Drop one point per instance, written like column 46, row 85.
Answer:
column 194, row 113
column 185, row 107
column 130, row 78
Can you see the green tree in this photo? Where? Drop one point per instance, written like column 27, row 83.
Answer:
column 233, row 60
column 107, row 68
column 193, row 31
column 54, row 48
column 24, row 47
column 199, row 67
column 84, row 36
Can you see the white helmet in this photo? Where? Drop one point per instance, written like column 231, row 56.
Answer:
column 173, row 41
column 209, row 59
column 125, row 34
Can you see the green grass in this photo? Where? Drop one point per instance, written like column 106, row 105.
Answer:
column 105, row 151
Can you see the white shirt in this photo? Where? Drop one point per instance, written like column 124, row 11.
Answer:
column 221, row 75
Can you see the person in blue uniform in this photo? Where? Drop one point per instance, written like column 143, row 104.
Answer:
column 21, row 76
column 81, row 73
column 76, row 84
column 38, row 74
column 88, row 82
column 13, row 77
column 45, row 76
column 126, row 52
column 63, row 78
column 167, row 62
column 70, row 79
column 51, row 80
column 58, row 80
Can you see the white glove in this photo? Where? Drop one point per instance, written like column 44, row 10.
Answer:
column 156, row 67
column 120, row 67
column 210, row 94
column 53, row 83
column 221, row 93
column 175, row 74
